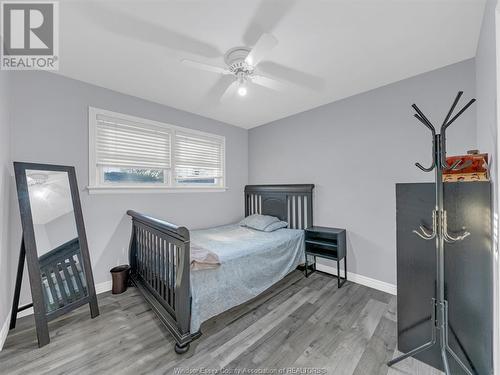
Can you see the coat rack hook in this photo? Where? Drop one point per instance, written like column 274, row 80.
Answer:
column 428, row 234
column 464, row 165
column 420, row 166
column 421, row 117
column 450, row 112
column 424, row 236
column 457, row 115
column 449, row 238
column 448, row 167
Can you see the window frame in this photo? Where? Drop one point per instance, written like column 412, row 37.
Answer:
column 97, row 185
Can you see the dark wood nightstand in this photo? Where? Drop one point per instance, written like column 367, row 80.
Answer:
column 329, row 243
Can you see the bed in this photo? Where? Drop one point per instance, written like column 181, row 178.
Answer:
column 251, row 260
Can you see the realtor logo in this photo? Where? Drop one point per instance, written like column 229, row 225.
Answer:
column 29, row 35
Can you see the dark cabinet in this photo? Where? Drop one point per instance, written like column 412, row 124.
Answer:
column 468, row 273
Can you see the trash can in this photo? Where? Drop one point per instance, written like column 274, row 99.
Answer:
column 119, row 275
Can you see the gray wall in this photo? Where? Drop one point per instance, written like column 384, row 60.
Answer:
column 53, row 234
column 43, row 245
column 356, row 149
column 486, row 87
column 487, row 128
column 61, row 230
column 50, row 125
column 6, row 284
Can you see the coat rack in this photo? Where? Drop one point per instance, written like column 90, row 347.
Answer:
column 439, row 233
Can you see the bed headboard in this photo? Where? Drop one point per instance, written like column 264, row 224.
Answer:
column 290, row 203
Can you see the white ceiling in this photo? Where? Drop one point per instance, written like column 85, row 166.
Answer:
column 333, row 49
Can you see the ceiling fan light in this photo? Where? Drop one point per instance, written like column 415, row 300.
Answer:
column 242, row 90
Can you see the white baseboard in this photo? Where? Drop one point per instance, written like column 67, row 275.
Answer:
column 103, row 287
column 360, row 279
column 99, row 288
column 4, row 331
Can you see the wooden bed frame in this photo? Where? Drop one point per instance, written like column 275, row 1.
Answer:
column 160, row 254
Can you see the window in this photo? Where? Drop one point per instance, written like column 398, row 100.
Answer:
column 198, row 159
column 134, row 153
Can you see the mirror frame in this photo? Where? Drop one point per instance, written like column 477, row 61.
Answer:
column 29, row 248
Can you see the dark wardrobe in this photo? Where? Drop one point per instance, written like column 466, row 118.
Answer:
column 468, row 273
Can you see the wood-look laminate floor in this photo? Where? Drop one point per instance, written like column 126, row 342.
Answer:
column 299, row 323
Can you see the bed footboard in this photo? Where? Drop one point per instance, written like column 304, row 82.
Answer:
column 160, row 268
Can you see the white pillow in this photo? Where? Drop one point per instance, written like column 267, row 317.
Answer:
column 259, row 222
column 275, row 226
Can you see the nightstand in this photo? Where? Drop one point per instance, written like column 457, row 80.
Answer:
column 329, row 243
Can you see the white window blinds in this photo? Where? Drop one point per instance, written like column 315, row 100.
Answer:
column 124, row 143
column 198, row 156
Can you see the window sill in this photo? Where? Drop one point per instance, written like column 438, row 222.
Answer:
column 153, row 189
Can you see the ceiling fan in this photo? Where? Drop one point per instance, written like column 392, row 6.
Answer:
column 241, row 63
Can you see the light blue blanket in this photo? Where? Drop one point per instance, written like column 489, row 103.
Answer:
column 251, row 262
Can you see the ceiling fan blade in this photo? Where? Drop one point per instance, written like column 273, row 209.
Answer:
column 211, row 99
column 207, row 67
column 263, row 46
column 270, row 83
column 267, row 16
column 126, row 24
column 230, row 91
column 291, row 75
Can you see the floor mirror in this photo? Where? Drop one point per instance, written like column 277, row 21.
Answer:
column 54, row 245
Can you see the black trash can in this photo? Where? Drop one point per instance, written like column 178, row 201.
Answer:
column 119, row 275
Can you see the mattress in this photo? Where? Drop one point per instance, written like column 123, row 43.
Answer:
column 251, row 262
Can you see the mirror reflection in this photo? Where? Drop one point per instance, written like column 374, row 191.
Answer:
column 56, row 238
